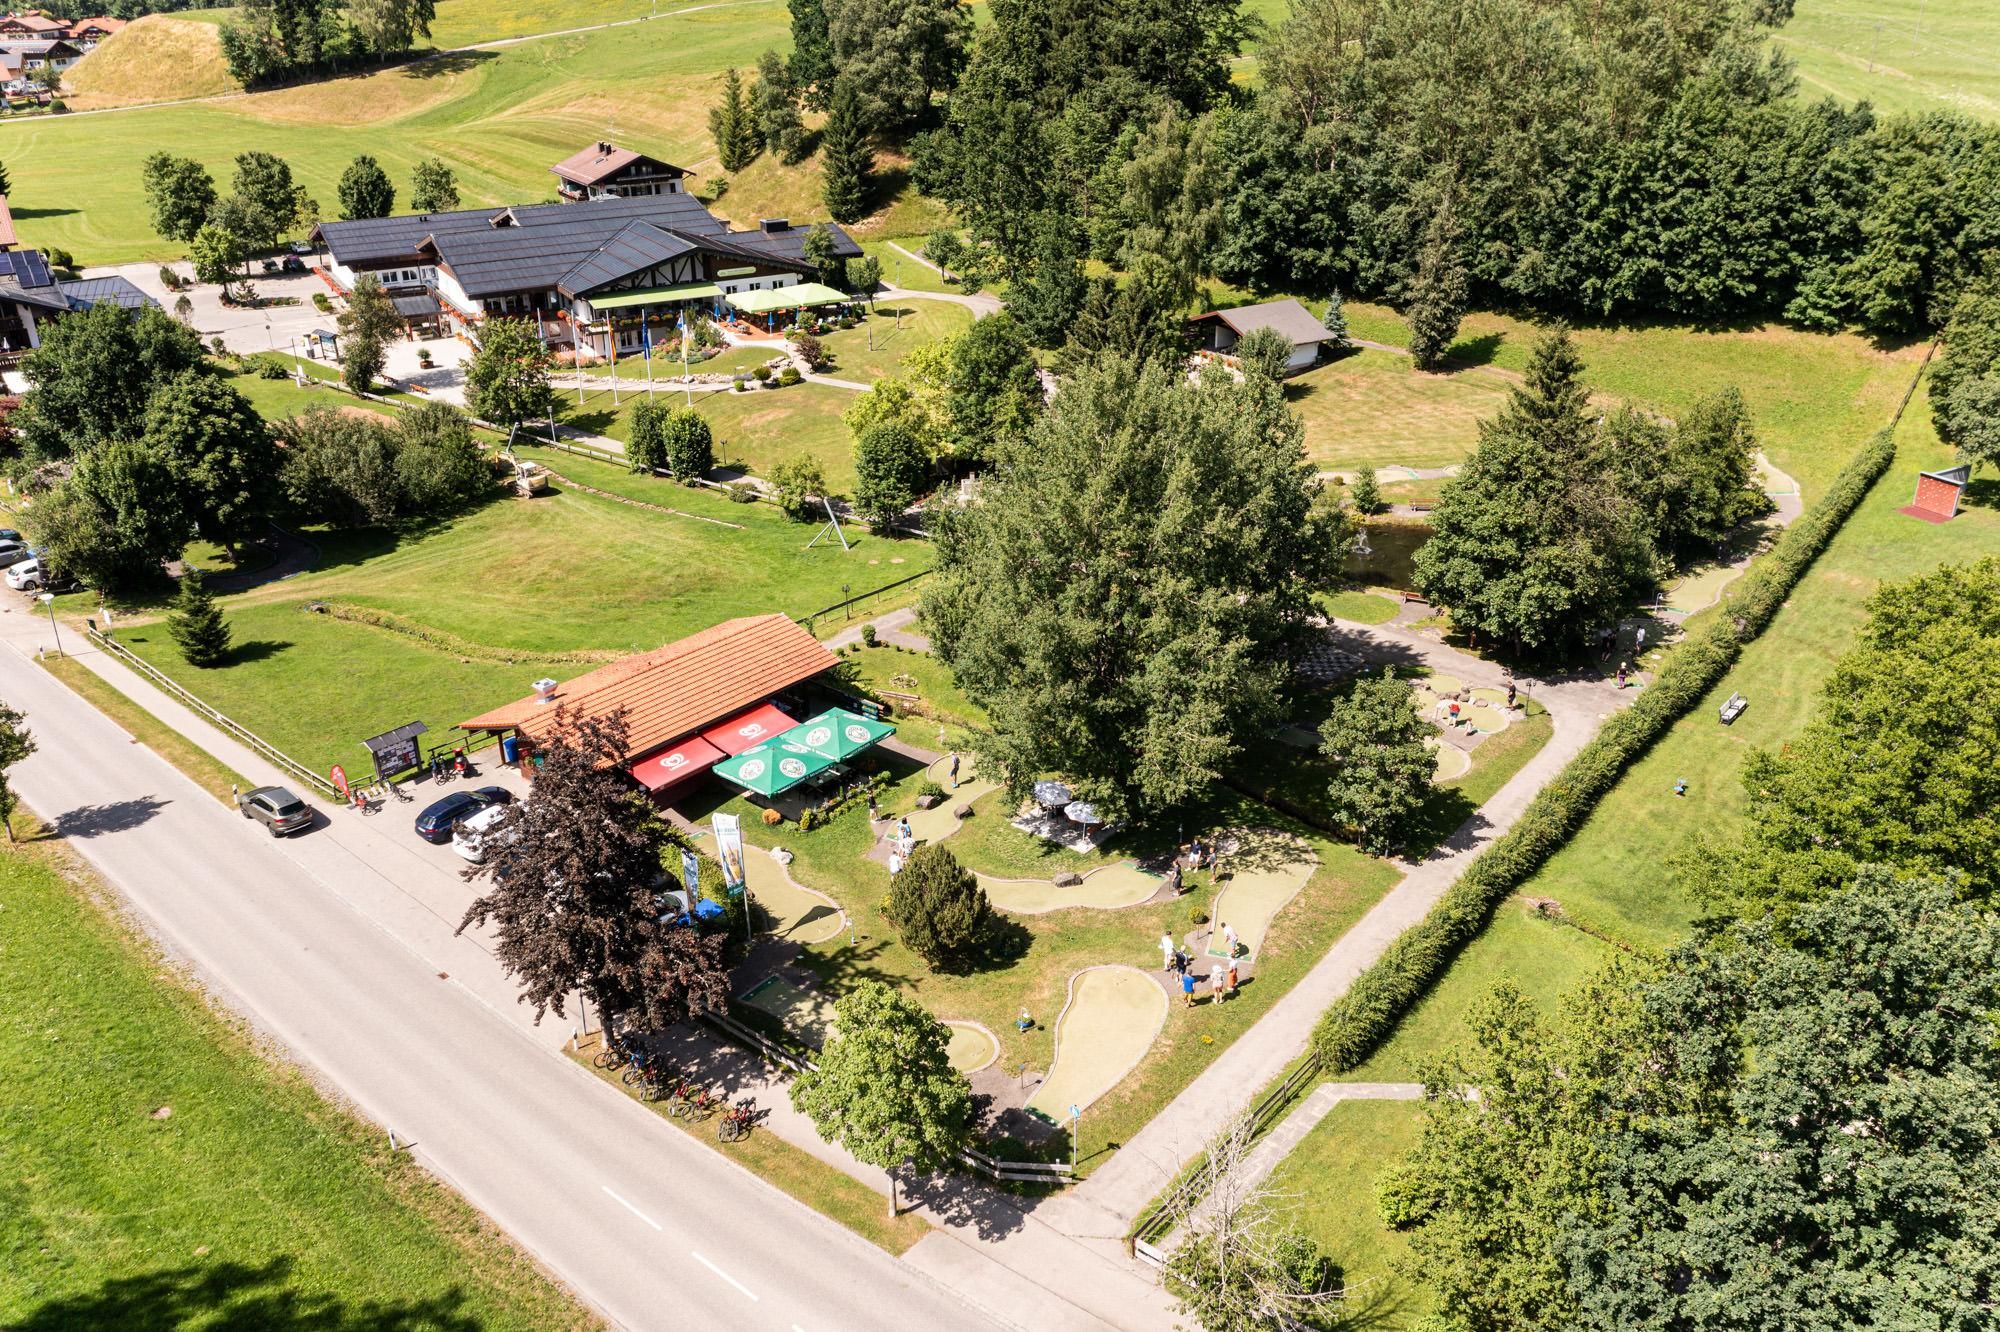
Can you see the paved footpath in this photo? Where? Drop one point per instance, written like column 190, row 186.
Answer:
column 421, row 1029
column 1106, row 1204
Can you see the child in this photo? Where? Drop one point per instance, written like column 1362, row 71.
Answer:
column 1187, row 988
column 1232, row 976
column 1229, row 938
column 954, row 770
column 1215, row 981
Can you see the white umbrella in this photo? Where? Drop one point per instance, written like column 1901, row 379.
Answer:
column 1081, row 812
column 1053, row 794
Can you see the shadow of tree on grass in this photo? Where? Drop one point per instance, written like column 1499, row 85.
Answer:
column 238, row 1297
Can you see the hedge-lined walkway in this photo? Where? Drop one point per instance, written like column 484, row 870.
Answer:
column 1115, row 1194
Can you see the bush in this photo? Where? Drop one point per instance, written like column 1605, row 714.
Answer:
column 930, row 789
column 789, row 376
column 322, row 302
column 761, row 373
column 810, row 351
column 740, row 385
column 646, row 450
column 868, row 635
column 740, row 492
column 772, row 818
column 169, row 279
column 939, row 907
column 1197, row 914
column 267, row 366
column 1357, row 1022
column 810, row 820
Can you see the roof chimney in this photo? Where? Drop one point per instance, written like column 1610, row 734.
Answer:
column 772, row 225
column 545, row 690
column 604, row 147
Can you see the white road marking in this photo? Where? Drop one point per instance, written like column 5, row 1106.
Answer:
column 635, row 1211
column 724, row 1275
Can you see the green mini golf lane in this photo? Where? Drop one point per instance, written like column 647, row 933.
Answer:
column 1107, row 889
column 1113, row 1017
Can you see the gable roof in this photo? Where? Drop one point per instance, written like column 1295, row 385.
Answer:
column 8, row 240
column 1287, row 316
column 789, row 245
column 34, row 23
column 600, row 161
column 678, row 689
column 42, row 46
column 95, row 291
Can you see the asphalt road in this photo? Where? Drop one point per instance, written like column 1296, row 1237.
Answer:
column 650, row 1227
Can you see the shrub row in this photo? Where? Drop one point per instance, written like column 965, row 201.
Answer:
column 1359, row 1020
column 452, row 643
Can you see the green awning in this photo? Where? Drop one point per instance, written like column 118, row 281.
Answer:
column 772, row 769
column 796, row 297
column 687, row 291
column 838, row 734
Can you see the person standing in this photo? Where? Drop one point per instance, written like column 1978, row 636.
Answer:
column 1229, row 938
column 1511, row 694
column 1167, row 951
column 1187, row 989
column 1232, row 977
column 1621, row 675
column 954, row 769
column 1215, row 981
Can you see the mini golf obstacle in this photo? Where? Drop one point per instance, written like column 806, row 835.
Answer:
column 1938, row 494
column 1267, row 869
column 972, row 1046
column 938, row 822
column 1113, row 1016
column 807, row 1014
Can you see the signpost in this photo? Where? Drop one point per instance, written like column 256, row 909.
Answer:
column 395, row 751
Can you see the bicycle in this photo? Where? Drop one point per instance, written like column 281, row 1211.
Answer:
column 656, row 1082
column 401, row 795
column 639, row 1066
column 698, row 1105
column 616, row 1052
column 735, row 1125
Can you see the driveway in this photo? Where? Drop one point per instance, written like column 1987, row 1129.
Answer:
column 242, row 329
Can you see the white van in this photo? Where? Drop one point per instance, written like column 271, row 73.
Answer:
column 469, row 838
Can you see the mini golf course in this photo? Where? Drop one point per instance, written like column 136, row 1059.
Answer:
column 972, row 1046
column 1113, row 1016
column 807, row 1014
column 938, row 822
column 1451, row 762
column 798, row 914
column 1265, row 871
column 1107, row 889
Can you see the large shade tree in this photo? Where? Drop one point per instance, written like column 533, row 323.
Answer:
column 95, row 373
column 220, row 452
column 1125, row 597
column 508, row 380
column 571, row 891
column 117, row 519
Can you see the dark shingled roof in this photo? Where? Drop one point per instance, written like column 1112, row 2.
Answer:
column 383, row 241
column 789, row 245
column 97, row 290
column 1287, row 316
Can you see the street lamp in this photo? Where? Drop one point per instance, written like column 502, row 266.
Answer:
column 49, row 599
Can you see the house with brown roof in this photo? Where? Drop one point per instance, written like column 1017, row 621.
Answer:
column 88, row 32
column 1219, row 331
column 603, row 170
column 31, row 24
column 688, row 705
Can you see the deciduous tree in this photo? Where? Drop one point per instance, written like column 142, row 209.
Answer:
column 117, row 519
column 94, row 374
column 217, row 255
column 365, row 190
column 366, row 327
column 340, row 468
column 774, row 104
column 1964, row 382
column 821, row 250
column 800, row 482
column 16, row 743
column 433, row 187
column 811, row 63
column 439, row 465
column 570, row 878
column 939, row 908
column 1126, row 597
column 1382, row 767
column 896, row 53
column 994, row 393
column 179, row 192
column 885, row 1088
column 220, row 452
column 263, row 181
column 507, row 381
column 196, row 624
column 387, row 27
column 892, row 469
column 1264, row 352
column 1046, row 295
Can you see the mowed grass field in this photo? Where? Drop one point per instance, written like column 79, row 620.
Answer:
column 160, row 1172
column 1902, row 55
column 514, row 585
column 499, row 118
column 1374, row 407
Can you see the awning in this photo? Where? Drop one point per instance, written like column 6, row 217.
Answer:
column 772, row 769
column 785, row 298
column 838, row 734
column 686, row 291
column 684, row 760
column 748, row 729
column 416, row 307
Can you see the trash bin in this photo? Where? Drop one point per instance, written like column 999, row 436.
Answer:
column 510, row 749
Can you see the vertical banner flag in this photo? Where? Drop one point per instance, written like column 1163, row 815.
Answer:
column 691, row 876
column 729, row 850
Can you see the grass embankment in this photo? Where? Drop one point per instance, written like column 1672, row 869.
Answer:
column 161, row 1172
column 498, row 118
column 158, row 58
column 1902, row 55
column 834, row 1195
column 512, row 589
column 204, row 769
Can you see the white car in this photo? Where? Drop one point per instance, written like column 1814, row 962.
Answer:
column 25, row 575
column 470, row 837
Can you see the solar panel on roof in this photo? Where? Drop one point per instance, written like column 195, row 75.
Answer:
column 27, row 267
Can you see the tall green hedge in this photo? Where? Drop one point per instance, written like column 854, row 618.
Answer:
column 1359, row 1020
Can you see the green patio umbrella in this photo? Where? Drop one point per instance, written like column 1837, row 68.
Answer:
column 838, row 734
column 773, row 768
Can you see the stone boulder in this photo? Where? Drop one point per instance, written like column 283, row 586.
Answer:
column 929, row 801
column 1068, row 879
column 962, row 812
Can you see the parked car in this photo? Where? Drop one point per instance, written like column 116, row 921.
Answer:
column 292, row 264
column 9, row 534
column 281, row 812
column 441, row 817
column 301, row 248
column 25, row 575
column 475, row 832
column 13, row 553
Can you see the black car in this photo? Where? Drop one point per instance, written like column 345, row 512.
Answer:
column 277, row 809
column 441, row 816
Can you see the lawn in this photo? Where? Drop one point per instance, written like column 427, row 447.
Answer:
column 878, row 346
column 498, row 118
column 1373, row 407
column 519, row 589
column 1327, row 1186
column 1902, row 55
column 1813, row 397
column 1034, row 956
column 755, row 430
column 900, row 270
column 255, row 1200
column 893, row 674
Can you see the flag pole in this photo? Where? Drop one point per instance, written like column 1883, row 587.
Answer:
column 646, row 336
column 687, row 379
column 614, row 364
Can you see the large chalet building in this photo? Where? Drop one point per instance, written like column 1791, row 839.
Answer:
column 606, row 171
column 591, row 273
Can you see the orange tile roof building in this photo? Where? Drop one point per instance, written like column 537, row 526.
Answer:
column 686, row 705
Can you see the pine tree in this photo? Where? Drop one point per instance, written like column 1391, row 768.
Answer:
column 196, row 624
column 939, row 908
column 775, row 101
column 1438, row 293
column 732, row 126
column 1047, row 296
column 848, row 161
column 1336, row 324
column 6, row 185
column 1366, row 490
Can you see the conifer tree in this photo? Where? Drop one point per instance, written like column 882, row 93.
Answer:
column 196, row 624
column 1438, row 292
column 732, row 126
column 1336, row 324
column 1367, row 490
column 847, row 161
